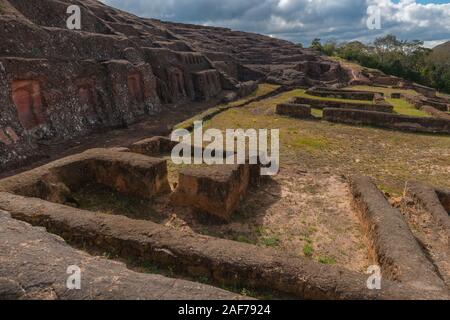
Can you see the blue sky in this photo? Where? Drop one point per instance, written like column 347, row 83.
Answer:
column 304, row 20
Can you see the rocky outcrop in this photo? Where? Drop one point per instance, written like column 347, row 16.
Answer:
column 222, row 261
column 395, row 247
column 58, row 84
column 34, row 264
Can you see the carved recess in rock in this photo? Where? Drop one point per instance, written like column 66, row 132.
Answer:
column 135, row 87
column 88, row 97
column 27, row 98
column 83, row 81
column 207, row 84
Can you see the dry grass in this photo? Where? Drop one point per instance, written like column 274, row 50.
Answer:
column 391, row 157
column 401, row 106
column 262, row 90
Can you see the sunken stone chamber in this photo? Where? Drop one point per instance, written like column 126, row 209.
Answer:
column 215, row 189
column 125, row 172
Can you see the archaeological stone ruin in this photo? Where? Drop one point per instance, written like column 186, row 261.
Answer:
column 87, row 175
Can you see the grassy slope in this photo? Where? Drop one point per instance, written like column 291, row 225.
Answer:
column 441, row 53
column 262, row 90
column 401, row 106
column 390, row 157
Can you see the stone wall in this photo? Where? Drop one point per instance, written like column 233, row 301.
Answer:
column 321, row 104
column 223, row 262
column 419, row 101
column 300, row 111
column 435, row 112
column 102, row 278
column 342, row 94
column 386, row 80
column 426, row 91
column 387, row 120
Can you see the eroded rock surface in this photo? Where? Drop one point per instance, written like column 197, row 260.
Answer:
column 33, row 265
column 58, row 84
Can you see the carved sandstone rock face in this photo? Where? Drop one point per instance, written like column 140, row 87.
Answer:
column 120, row 69
column 26, row 95
column 135, row 87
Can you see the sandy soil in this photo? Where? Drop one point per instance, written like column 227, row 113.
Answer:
column 433, row 238
column 303, row 213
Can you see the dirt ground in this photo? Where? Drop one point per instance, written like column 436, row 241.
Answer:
column 391, row 157
column 433, row 238
column 302, row 213
column 306, row 209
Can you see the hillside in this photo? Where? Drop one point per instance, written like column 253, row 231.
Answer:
column 441, row 53
column 118, row 69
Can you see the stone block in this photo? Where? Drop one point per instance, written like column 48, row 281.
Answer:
column 216, row 190
column 300, row 111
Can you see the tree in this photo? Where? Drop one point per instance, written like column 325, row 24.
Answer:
column 402, row 58
column 316, row 45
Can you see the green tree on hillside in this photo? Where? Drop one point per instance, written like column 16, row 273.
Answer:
column 406, row 59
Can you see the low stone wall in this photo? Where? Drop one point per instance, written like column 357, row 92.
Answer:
column 440, row 105
column 420, row 101
column 387, row 120
column 426, row 91
column 222, row 261
column 300, row 111
column 395, row 247
column 322, row 104
column 215, row 189
column 435, row 112
column 33, row 266
column 430, row 199
column 386, row 81
column 342, row 94
column 154, row 146
column 126, row 172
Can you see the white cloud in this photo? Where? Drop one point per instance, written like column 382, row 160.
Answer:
column 303, row 20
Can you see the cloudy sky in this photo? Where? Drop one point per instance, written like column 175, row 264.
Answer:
column 304, row 20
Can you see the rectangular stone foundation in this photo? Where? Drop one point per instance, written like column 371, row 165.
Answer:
column 300, row 111
column 222, row 261
column 343, row 94
column 125, row 172
column 387, row 120
column 322, row 104
column 154, row 146
column 215, row 189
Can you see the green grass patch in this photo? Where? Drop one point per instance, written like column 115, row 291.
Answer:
column 327, row 260
column 405, row 108
column 401, row 106
column 262, row 90
column 305, row 95
column 386, row 90
column 309, row 143
column 270, row 240
column 308, row 250
column 318, row 113
column 390, row 157
column 243, row 239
